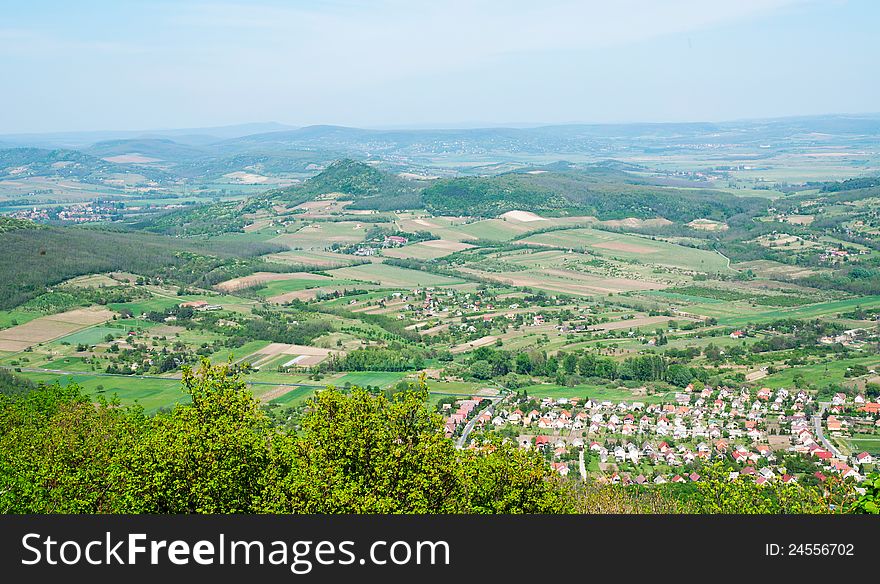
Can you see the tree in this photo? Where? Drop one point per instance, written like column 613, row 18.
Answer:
column 869, row 502
column 523, row 365
column 481, row 369
column 357, row 453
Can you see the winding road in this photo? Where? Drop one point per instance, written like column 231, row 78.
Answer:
column 817, row 422
column 462, row 440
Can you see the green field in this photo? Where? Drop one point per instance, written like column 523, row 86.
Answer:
column 631, row 247
column 819, row 374
column 278, row 287
column 150, row 393
column 295, row 396
column 68, row 364
column 16, row 317
column 321, row 235
column 739, row 313
column 494, row 229
column 869, row 443
column 364, row 378
column 591, row 391
column 238, row 353
column 392, row 276
column 91, row 336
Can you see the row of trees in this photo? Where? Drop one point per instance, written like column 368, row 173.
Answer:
column 486, row 363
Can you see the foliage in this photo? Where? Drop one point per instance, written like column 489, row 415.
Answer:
column 870, row 501
column 605, row 192
column 33, row 259
column 717, row 493
column 358, row 452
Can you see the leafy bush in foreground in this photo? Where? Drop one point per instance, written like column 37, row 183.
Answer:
column 358, row 453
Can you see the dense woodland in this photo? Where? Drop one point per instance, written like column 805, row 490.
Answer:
column 36, row 257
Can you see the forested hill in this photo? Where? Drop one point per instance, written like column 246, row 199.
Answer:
column 369, row 187
column 601, row 190
column 607, row 190
column 25, row 162
column 36, row 257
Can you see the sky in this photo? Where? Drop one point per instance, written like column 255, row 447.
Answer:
column 126, row 65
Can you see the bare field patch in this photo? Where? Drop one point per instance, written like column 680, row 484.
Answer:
column 476, row 344
column 92, row 281
column 634, row 222
column 434, row 248
column 799, row 219
column 301, row 355
column 304, row 295
column 569, row 282
column 770, row 269
column 707, row 225
column 246, row 178
column 632, row 323
column 47, row 328
column 132, row 158
column 522, row 216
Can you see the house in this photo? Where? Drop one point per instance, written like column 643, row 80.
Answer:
column 871, row 408
column 560, row 467
column 864, row 458
column 395, row 240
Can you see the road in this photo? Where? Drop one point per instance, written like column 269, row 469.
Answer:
column 817, row 422
column 462, row 440
column 581, row 465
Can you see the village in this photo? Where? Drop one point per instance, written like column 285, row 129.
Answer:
column 766, row 435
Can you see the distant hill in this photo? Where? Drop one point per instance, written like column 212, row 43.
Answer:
column 367, row 186
column 24, row 162
column 78, row 140
column 160, row 149
column 506, row 143
column 603, row 190
column 608, row 190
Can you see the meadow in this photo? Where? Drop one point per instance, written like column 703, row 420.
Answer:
column 392, row 276
column 623, row 246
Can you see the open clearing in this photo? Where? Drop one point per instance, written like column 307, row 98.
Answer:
column 323, row 235
column 631, row 247
column 522, row 216
column 132, row 158
column 632, row 323
column 322, row 259
column 295, row 355
column 427, row 250
column 568, row 281
column 476, row 344
column 47, row 328
column 259, row 278
column 387, row 275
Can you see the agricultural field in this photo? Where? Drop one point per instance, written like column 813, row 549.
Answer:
column 621, row 246
column 392, row 276
column 621, row 284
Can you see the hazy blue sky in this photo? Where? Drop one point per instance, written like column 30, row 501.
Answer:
column 91, row 65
